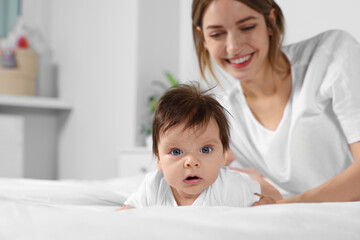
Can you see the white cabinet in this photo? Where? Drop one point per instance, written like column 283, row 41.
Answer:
column 135, row 161
column 11, row 145
column 30, row 128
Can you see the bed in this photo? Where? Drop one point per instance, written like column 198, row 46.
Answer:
column 74, row 209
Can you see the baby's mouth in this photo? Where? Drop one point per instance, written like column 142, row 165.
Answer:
column 190, row 180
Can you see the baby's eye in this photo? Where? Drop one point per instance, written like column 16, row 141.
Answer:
column 176, row 152
column 206, row 149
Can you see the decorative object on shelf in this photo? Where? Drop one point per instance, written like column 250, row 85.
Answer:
column 160, row 88
column 21, row 78
column 19, row 67
column 8, row 58
column 22, row 42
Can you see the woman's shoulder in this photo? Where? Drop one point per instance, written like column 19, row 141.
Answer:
column 330, row 42
column 334, row 36
column 329, row 37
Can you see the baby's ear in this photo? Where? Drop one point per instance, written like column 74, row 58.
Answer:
column 229, row 156
column 224, row 160
column 158, row 163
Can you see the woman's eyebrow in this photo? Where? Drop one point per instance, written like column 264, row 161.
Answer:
column 245, row 19
column 238, row 22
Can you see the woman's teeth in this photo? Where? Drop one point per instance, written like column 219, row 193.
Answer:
column 240, row 60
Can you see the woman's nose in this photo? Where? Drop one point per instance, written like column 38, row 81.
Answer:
column 233, row 43
column 191, row 161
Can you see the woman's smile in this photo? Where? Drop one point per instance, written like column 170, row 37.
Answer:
column 237, row 39
column 240, row 62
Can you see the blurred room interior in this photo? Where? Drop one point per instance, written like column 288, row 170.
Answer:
column 96, row 64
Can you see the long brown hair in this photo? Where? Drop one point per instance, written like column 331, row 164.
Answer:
column 186, row 103
column 262, row 6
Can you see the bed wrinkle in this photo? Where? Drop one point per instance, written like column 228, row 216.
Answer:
column 37, row 210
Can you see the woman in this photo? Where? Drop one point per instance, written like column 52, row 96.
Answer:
column 297, row 106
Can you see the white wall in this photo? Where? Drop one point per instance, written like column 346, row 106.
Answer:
column 188, row 66
column 158, row 51
column 107, row 53
column 307, row 18
column 95, row 48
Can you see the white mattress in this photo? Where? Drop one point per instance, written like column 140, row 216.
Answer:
column 42, row 209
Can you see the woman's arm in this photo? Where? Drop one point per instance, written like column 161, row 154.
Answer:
column 343, row 187
column 267, row 189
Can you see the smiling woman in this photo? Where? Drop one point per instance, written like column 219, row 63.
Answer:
column 210, row 32
column 296, row 107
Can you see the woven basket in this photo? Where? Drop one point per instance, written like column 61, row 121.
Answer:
column 21, row 79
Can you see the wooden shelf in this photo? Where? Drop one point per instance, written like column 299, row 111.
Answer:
column 34, row 102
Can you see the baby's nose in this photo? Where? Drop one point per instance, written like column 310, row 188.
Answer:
column 191, row 161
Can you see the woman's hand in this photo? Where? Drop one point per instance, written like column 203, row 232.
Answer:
column 124, row 207
column 267, row 189
column 263, row 200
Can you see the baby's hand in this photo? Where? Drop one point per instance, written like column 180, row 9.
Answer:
column 263, row 200
column 123, row 207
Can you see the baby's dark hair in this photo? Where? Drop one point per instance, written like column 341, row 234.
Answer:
column 187, row 103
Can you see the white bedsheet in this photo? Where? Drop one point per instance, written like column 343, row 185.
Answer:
column 75, row 192
column 60, row 218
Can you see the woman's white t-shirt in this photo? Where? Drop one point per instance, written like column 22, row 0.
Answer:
column 322, row 116
column 231, row 188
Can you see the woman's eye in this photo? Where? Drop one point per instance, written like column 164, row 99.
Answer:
column 206, row 149
column 248, row 28
column 176, row 152
column 215, row 35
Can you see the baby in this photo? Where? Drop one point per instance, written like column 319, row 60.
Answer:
column 190, row 142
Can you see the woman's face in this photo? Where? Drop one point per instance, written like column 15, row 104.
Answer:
column 237, row 38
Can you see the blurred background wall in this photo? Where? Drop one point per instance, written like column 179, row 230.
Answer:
column 108, row 52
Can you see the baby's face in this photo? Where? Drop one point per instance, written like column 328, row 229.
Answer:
column 190, row 159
